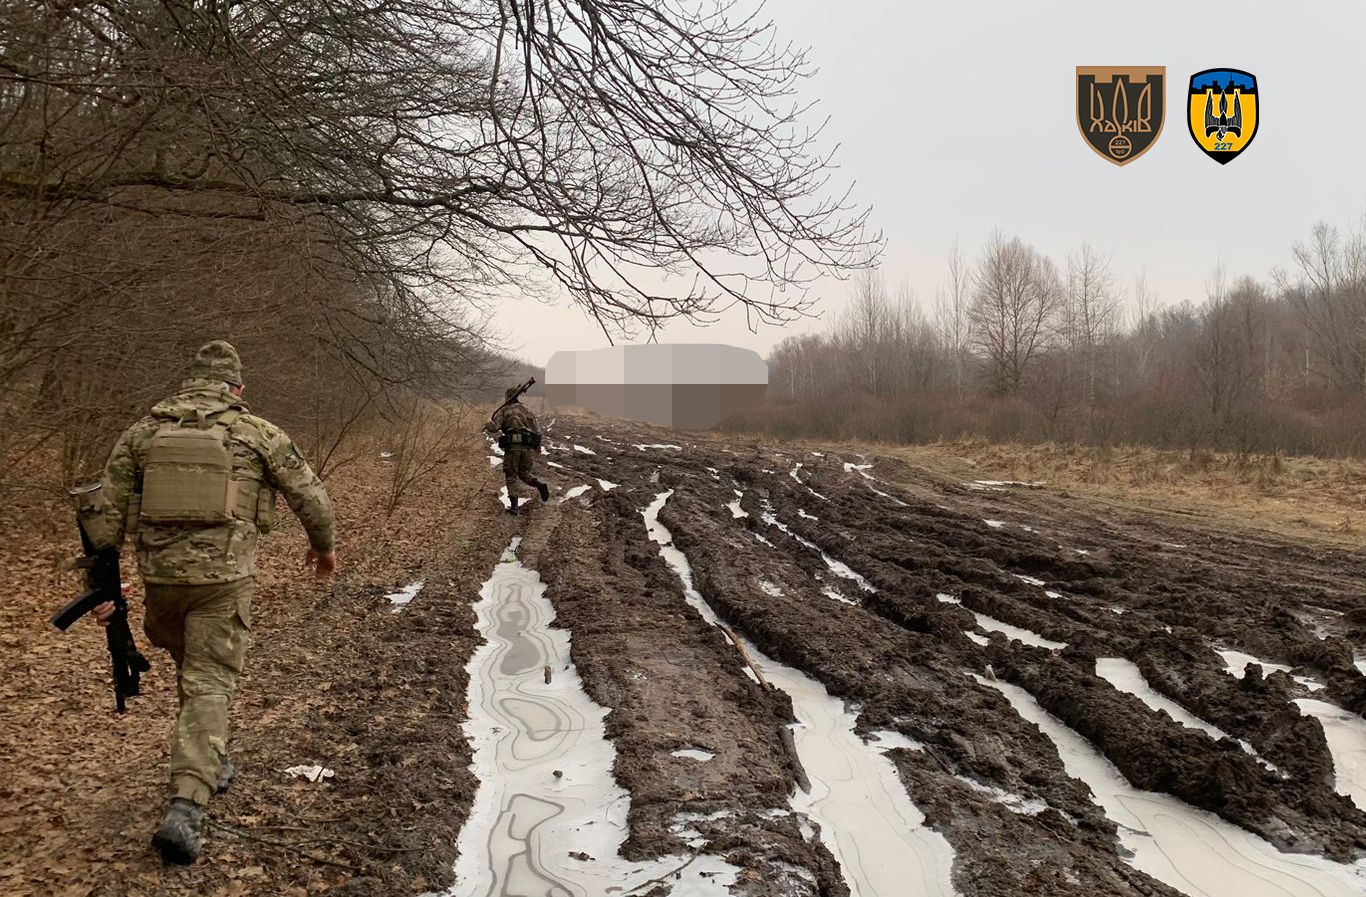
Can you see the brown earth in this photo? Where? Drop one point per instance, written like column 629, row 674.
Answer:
column 339, row 680
column 334, row 678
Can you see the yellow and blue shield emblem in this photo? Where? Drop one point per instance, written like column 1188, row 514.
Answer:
column 1225, row 110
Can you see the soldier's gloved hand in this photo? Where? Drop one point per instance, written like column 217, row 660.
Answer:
column 103, row 612
column 324, row 565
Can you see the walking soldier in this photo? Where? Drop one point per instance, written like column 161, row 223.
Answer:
column 194, row 484
column 520, row 442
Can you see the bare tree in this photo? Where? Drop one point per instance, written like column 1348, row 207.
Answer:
column 1090, row 317
column 952, row 315
column 1016, row 297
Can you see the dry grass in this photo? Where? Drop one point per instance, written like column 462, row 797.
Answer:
column 1302, row 496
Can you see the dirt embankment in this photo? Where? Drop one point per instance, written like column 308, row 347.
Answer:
column 334, row 678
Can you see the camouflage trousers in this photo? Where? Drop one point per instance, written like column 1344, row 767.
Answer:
column 517, row 466
column 207, row 629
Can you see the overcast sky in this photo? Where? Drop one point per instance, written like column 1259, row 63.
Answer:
column 954, row 118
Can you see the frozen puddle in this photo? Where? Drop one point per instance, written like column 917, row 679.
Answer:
column 527, row 818
column 1191, row 850
column 991, row 624
column 866, row 818
column 403, row 596
column 1346, row 734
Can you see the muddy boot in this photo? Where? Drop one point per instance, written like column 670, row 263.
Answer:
column 181, row 838
column 544, row 490
column 512, row 506
column 226, row 773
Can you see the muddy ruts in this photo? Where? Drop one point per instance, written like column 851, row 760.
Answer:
column 911, row 683
column 1183, row 667
column 672, row 682
column 1155, row 753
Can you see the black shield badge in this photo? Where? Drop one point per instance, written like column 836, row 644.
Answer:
column 1121, row 109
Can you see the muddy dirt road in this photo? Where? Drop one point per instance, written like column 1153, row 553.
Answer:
column 825, row 672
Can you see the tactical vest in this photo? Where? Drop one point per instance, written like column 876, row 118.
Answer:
column 187, row 478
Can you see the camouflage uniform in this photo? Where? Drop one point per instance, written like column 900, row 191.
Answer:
column 517, row 461
column 199, row 578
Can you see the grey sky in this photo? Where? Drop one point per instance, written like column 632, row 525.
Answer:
column 954, row 118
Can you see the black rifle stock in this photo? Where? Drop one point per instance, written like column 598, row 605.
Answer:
column 103, row 584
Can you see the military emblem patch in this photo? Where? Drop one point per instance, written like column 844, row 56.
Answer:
column 1223, row 112
column 1120, row 110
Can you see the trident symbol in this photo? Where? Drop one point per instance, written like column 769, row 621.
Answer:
column 1119, row 115
column 1223, row 123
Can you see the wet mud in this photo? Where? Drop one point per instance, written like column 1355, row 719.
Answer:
column 878, row 580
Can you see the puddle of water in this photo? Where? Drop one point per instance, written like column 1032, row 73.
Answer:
column 644, row 447
column 584, row 451
column 526, row 819
column 979, row 639
column 1015, row 803
column 805, row 516
column 606, row 486
column 837, row 595
column 1346, row 734
column 400, row 599
column 866, row 818
column 862, row 470
column 1032, row 580
column 991, row 624
column 700, row 756
column 1191, row 850
column 1236, row 662
column 1127, row 677
column 839, row 568
column 736, row 511
column 574, row 493
column 995, row 524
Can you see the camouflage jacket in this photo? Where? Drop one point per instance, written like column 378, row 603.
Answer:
column 194, row 555
column 515, row 416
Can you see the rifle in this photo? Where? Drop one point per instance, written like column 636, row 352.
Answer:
column 101, row 566
column 531, row 381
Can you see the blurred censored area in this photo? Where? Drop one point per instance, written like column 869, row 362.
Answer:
column 688, row 386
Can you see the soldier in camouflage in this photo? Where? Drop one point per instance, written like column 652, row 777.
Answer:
column 520, row 434
column 199, row 577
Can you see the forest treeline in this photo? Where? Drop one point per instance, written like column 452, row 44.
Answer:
column 1020, row 346
column 346, row 191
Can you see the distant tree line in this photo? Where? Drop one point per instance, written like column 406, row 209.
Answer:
column 1018, row 346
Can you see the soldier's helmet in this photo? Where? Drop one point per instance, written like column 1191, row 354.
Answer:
column 511, row 391
column 217, row 361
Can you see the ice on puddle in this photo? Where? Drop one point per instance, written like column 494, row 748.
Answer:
column 494, row 460
column 1236, row 663
column 697, row 754
column 979, row 639
column 1032, row 580
column 995, row 524
column 606, row 486
column 770, row 589
column 806, row 516
column 584, row 451
column 404, row 595
column 312, row 773
column 1015, row 803
column 677, row 448
column 736, row 511
column 575, row 492
column 836, row 595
